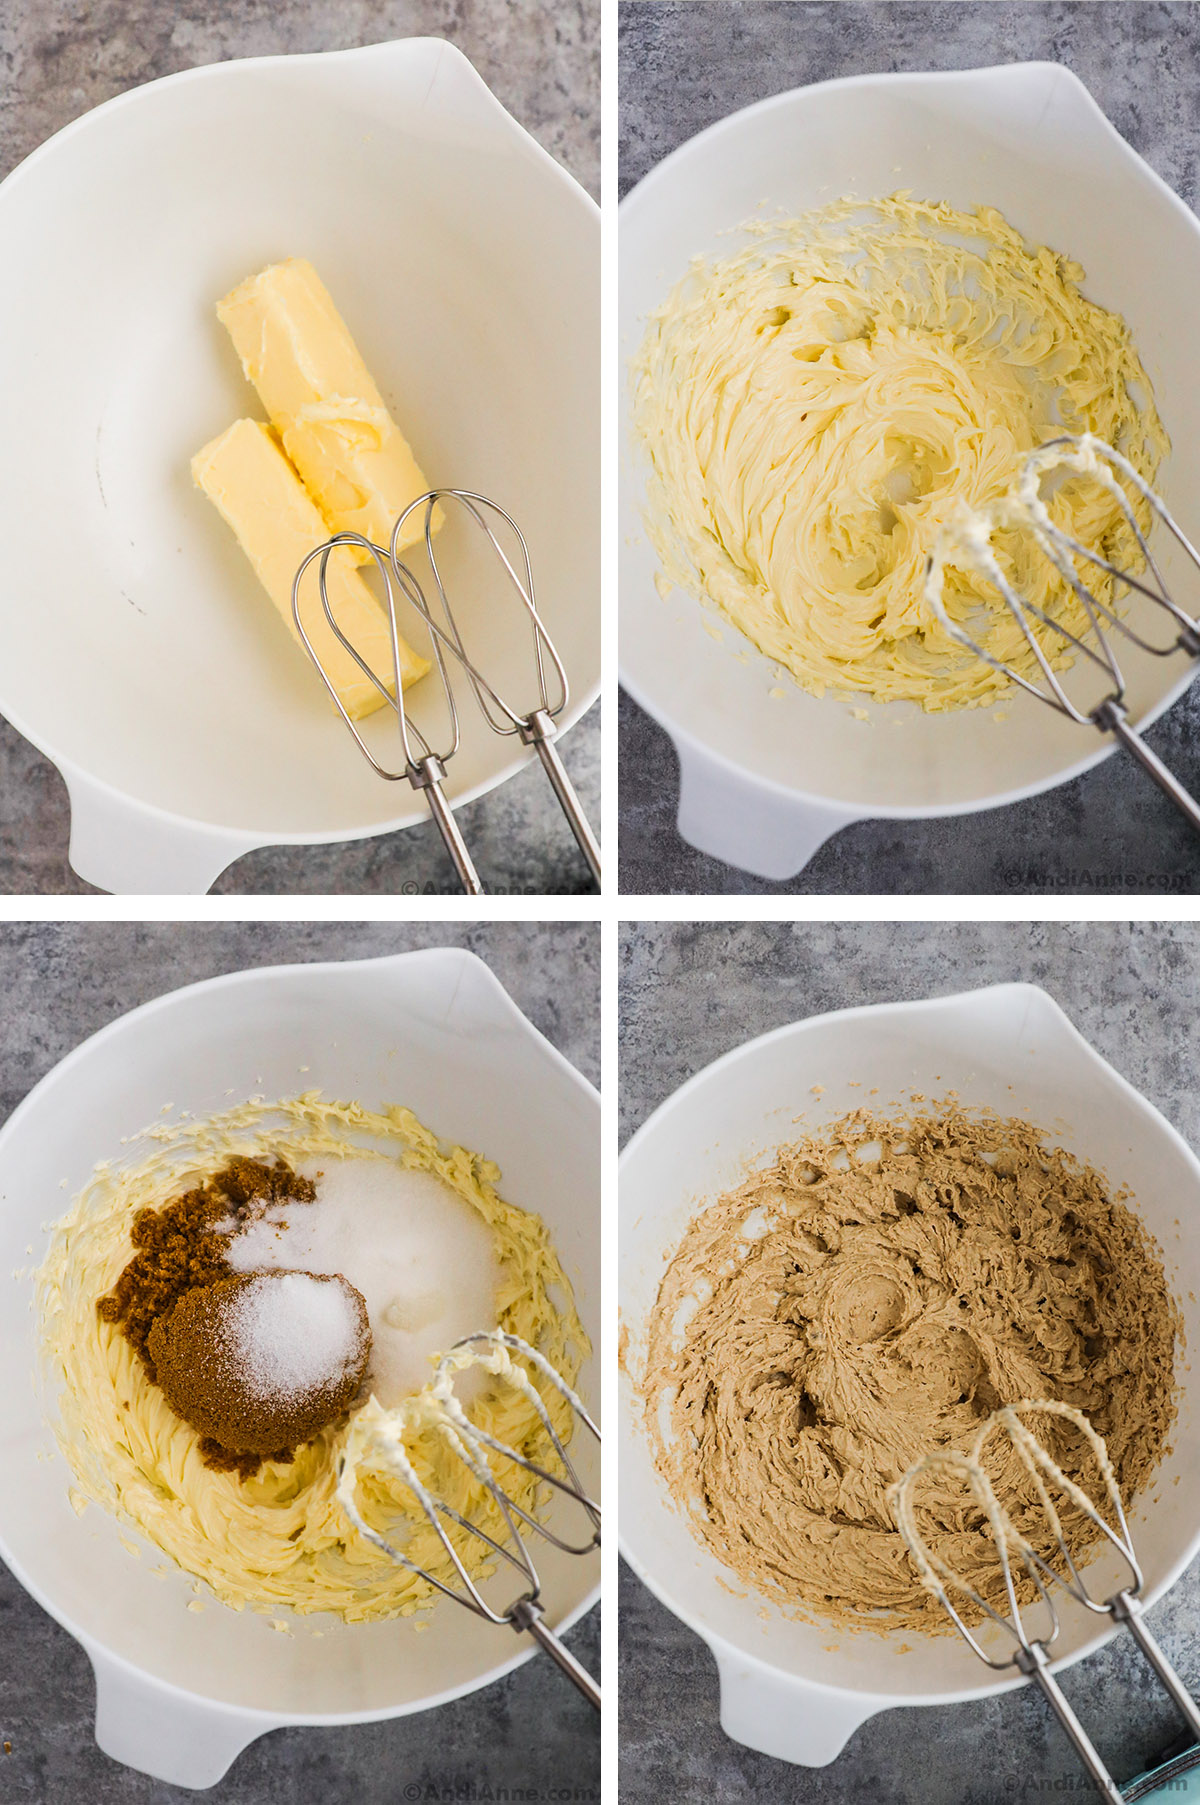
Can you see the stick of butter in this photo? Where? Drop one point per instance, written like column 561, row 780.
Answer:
column 295, row 348
column 247, row 478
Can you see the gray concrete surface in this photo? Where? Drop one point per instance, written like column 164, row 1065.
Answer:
column 684, row 65
column 60, row 58
column 690, row 992
column 530, row 1731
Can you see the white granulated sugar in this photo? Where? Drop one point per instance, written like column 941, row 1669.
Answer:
column 290, row 1334
column 423, row 1259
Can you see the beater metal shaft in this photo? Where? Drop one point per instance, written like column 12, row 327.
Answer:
column 968, row 541
column 1031, row 1653
column 424, row 768
column 534, row 727
column 424, row 765
column 383, row 1448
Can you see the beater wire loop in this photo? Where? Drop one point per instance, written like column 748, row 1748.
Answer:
column 966, row 542
column 424, row 764
column 501, row 716
column 491, row 1350
column 1060, row 1569
column 416, row 746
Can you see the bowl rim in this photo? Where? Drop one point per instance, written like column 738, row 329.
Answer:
column 875, row 1701
column 97, row 1650
column 689, row 742
column 582, row 696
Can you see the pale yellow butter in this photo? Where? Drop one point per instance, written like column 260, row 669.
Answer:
column 817, row 406
column 280, row 1541
column 296, row 350
column 251, row 483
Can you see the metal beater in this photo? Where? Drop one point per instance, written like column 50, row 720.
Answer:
column 970, row 539
column 382, row 1448
column 425, row 766
column 1030, row 1653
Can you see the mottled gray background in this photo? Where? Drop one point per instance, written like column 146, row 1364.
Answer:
column 60, row 58
column 684, row 65
column 691, row 992
column 60, row 983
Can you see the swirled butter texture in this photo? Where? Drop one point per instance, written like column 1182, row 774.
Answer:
column 873, row 1293
column 281, row 1539
column 816, row 407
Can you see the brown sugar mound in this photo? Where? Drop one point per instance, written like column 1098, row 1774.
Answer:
column 246, row 1363
column 180, row 1246
column 183, row 1246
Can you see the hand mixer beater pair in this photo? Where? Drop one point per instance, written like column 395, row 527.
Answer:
column 377, row 1445
column 424, row 765
column 1029, row 1576
column 966, row 544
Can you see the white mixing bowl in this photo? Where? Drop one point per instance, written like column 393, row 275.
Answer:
column 136, row 648
column 798, row 1690
column 765, row 782
column 180, row 1694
